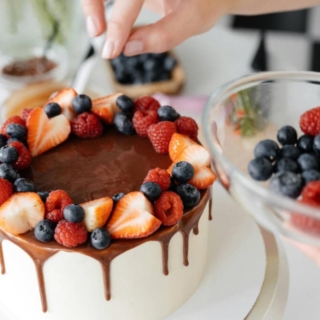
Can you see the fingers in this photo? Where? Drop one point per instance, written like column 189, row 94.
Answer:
column 94, row 12
column 185, row 21
column 123, row 16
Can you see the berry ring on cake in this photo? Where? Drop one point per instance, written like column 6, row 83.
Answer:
column 101, row 209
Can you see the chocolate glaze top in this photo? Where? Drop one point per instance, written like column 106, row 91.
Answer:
column 95, row 168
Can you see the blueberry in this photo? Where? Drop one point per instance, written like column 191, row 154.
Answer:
column 167, row 113
column 100, row 238
column 3, row 140
column 116, row 197
column 8, row 154
column 182, row 171
column 24, row 185
column 169, row 63
column 310, row 175
column 151, row 190
column 123, row 76
column 44, row 230
column 43, row 195
column 52, row 109
column 152, row 64
column 81, row 103
column 287, row 135
column 287, row 164
column 316, row 145
column 189, row 195
column 287, row 183
column 308, row 161
column 290, row 151
column 305, row 143
column 123, row 123
column 8, row 173
column 267, row 149
column 17, row 140
column 73, row 213
column 260, row 169
column 15, row 130
column 125, row 104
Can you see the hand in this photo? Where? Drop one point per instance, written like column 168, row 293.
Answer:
column 181, row 20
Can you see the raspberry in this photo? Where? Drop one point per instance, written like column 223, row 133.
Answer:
column 160, row 176
column 304, row 222
column 187, row 126
column 160, row 135
column 146, row 103
column 312, row 192
column 310, row 122
column 55, row 203
column 143, row 120
column 87, row 125
column 25, row 113
column 6, row 190
column 70, row 234
column 14, row 119
column 168, row 208
column 24, row 159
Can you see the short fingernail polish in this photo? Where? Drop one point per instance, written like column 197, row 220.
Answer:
column 91, row 27
column 133, row 47
column 108, row 49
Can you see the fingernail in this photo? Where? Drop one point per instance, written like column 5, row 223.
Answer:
column 108, row 49
column 133, row 47
column 91, row 27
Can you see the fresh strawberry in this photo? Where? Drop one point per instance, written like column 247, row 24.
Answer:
column 310, row 122
column 6, row 190
column 160, row 135
column 168, row 208
column 55, row 203
column 143, row 120
column 306, row 223
column 64, row 98
column 14, row 119
column 45, row 133
column 105, row 108
column 70, row 234
column 133, row 217
column 25, row 113
column 178, row 143
column 97, row 213
column 187, row 126
column 24, row 159
column 160, row 176
column 21, row 212
column 146, row 103
column 312, row 192
column 199, row 157
column 87, row 125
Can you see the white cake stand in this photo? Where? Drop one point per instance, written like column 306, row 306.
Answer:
column 247, row 275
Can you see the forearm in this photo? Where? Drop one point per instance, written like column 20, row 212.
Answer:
column 250, row 7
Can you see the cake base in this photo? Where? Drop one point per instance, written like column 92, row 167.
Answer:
column 74, row 282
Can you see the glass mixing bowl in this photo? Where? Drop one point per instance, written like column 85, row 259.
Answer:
column 240, row 114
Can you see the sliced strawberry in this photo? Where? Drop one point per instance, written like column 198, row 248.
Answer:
column 105, row 107
column 203, row 178
column 97, row 212
column 45, row 133
column 21, row 212
column 178, row 143
column 199, row 157
column 133, row 217
column 64, row 98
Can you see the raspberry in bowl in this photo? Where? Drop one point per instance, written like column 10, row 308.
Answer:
column 96, row 202
column 262, row 132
